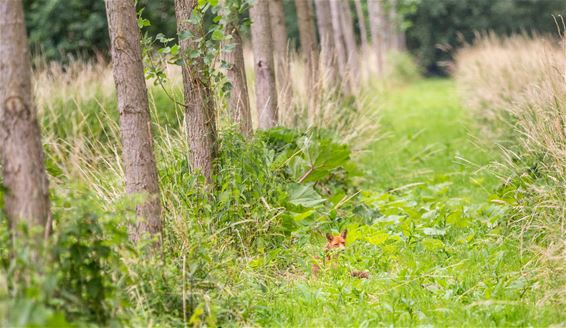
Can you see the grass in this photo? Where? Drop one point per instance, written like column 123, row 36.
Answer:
column 456, row 263
column 430, row 136
column 515, row 86
column 424, row 221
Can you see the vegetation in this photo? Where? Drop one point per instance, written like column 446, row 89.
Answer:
column 526, row 98
column 80, row 26
column 166, row 207
column 438, row 27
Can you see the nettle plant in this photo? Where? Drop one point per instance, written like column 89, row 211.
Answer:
column 213, row 21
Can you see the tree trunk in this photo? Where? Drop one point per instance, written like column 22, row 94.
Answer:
column 21, row 152
column 351, row 46
column 266, row 92
column 239, row 102
column 376, row 26
column 398, row 36
column 200, row 116
column 135, row 123
column 326, row 32
column 307, row 33
column 280, row 53
column 362, row 23
column 340, row 45
column 387, row 31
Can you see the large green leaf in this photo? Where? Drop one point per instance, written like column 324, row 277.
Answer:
column 304, row 195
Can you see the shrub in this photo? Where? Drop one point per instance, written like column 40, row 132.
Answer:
column 74, row 275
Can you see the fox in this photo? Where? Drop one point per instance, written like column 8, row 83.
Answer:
column 335, row 243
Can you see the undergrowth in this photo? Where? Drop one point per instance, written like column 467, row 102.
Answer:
column 429, row 228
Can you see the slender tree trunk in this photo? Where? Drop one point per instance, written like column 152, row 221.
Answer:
column 239, row 101
column 280, row 53
column 200, row 115
column 21, row 152
column 307, row 33
column 398, row 36
column 135, row 123
column 351, row 46
column 326, row 32
column 362, row 23
column 375, row 9
column 387, row 30
column 340, row 45
column 266, row 92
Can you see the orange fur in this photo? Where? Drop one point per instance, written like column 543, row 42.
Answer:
column 336, row 243
column 333, row 243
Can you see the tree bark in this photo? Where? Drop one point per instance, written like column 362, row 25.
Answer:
column 340, row 45
column 280, row 53
column 135, row 123
column 200, row 115
column 362, row 23
column 375, row 9
column 398, row 36
column 309, row 50
column 266, row 92
column 239, row 101
column 21, row 152
column 307, row 33
column 326, row 32
column 351, row 45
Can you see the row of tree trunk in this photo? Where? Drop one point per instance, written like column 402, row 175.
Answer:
column 335, row 60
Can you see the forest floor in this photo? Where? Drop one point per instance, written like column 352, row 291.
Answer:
column 461, row 265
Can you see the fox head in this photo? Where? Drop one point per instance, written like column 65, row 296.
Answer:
column 336, row 242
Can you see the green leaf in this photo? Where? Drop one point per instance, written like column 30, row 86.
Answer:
column 185, row 35
column 298, row 217
column 217, row 35
column 304, row 195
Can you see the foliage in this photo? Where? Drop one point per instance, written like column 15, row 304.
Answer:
column 211, row 22
column 403, row 68
column 241, row 253
column 429, row 227
column 60, row 27
column 75, row 275
column 440, row 26
column 79, row 27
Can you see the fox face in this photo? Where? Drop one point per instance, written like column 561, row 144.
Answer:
column 336, row 242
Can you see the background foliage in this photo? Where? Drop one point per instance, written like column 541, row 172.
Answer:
column 434, row 29
column 439, row 26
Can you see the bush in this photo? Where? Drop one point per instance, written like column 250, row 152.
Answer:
column 75, row 275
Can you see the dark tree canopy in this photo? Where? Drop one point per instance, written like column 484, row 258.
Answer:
column 437, row 26
column 79, row 27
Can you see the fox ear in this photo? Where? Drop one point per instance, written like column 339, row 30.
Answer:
column 329, row 236
column 344, row 233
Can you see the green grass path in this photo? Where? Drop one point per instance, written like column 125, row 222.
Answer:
column 438, row 253
column 429, row 136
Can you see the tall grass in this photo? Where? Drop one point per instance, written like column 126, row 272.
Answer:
column 517, row 85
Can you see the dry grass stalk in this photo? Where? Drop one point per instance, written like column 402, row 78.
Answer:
column 518, row 86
